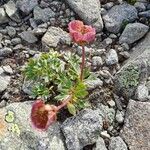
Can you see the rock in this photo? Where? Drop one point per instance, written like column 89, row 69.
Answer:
column 54, row 36
column 116, row 143
column 12, row 11
column 16, row 41
column 92, row 84
column 138, row 30
column 136, row 129
column 3, row 103
column 100, row 144
column 118, row 15
column 140, row 6
column 135, row 71
column 39, row 31
column 97, row 61
column 26, row 6
column 119, row 117
column 111, row 103
column 21, row 135
column 3, row 16
column 11, row 31
column 104, row 134
column 5, row 51
column 89, row 11
column 28, row 37
column 7, row 69
column 82, row 129
column 42, row 15
column 142, row 93
column 107, row 114
column 4, row 80
column 111, row 57
column 145, row 14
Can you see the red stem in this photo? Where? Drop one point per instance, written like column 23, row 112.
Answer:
column 83, row 62
column 65, row 102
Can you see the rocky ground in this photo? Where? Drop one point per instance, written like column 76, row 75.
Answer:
column 119, row 118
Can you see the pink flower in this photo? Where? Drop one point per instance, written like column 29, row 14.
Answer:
column 80, row 33
column 43, row 115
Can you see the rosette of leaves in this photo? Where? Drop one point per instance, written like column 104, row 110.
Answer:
column 57, row 76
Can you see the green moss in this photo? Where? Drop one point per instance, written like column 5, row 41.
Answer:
column 130, row 77
column 132, row 2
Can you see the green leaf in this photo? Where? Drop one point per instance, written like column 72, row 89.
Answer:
column 80, row 90
column 71, row 108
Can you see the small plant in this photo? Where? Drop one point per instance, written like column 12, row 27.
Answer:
column 61, row 78
column 130, row 77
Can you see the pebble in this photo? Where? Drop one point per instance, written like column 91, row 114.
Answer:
column 8, row 69
column 119, row 117
column 111, row 57
column 111, row 103
column 105, row 134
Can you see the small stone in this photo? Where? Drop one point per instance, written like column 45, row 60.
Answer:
column 16, row 41
column 26, row 6
column 42, row 15
column 119, row 117
column 8, row 69
column 104, row 134
column 116, row 143
column 97, row 61
column 142, row 93
column 118, row 15
column 100, row 144
column 54, row 36
column 11, row 31
column 3, row 103
column 11, row 11
column 3, row 16
column 28, row 37
column 138, row 30
column 140, row 6
column 125, row 46
column 111, row 57
column 5, row 51
column 39, row 31
column 92, row 84
column 145, row 14
column 111, row 103
column 108, row 5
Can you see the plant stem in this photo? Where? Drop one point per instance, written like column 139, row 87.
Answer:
column 65, row 102
column 83, row 62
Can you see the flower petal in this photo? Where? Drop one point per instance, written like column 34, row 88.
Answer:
column 75, row 25
column 41, row 118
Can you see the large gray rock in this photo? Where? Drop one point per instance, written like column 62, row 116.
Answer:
column 54, row 36
column 3, row 16
column 116, row 143
column 42, row 15
column 133, row 32
column 118, row 16
column 136, row 130
column 89, row 11
column 19, row 134
column 135, row 71
column 26, row 6
column 83, row 129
